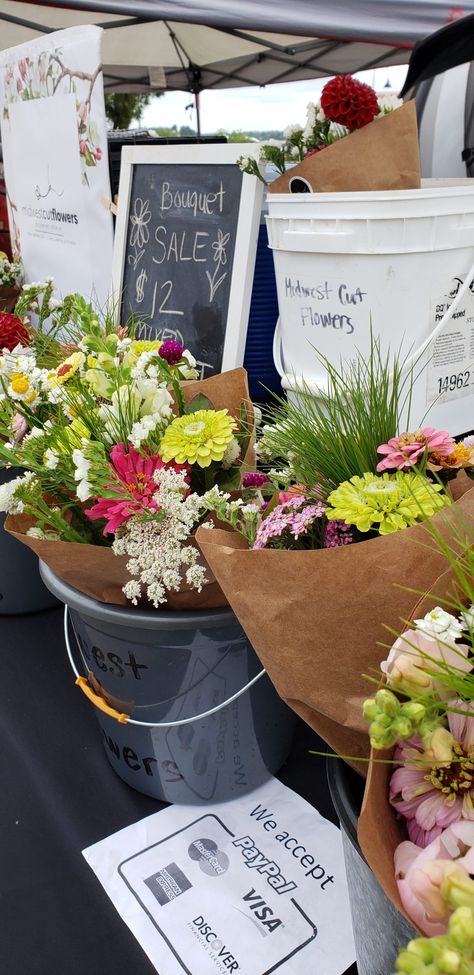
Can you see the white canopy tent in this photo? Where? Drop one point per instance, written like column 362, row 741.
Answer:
column 201, row 44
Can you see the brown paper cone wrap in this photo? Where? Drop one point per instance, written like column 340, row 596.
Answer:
column 315, row 618
column 380, row 829
column 8, row 298
column 95, row 570
column 382, row 155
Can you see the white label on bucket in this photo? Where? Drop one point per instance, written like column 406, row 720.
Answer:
column 450, row 370
column 249, row 887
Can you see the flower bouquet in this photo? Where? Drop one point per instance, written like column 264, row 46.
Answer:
column 352, row 140
column 118, row 444
column 316, row 566
column 11, row 274
column 417, row 823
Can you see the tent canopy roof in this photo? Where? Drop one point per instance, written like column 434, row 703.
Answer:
column 196, row 44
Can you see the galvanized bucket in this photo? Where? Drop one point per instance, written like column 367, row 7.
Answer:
column 187, row 713
column 380, row 931
column 21, row 588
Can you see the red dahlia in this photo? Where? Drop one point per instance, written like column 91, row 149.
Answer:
column 12, row 331
column 349, row 102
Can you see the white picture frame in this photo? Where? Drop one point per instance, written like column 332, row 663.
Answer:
column 247, row 228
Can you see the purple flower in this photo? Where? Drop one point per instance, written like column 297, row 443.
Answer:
column 254, row 479
column 171, row 351
column 337, row 533
column 295, row 517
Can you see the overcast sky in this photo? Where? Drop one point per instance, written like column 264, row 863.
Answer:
column 272, row 107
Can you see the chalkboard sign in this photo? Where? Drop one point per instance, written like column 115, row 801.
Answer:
column 186, row 237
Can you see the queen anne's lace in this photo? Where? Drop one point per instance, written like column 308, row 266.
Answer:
column 160, row 555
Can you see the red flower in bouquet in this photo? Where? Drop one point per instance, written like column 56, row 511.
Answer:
column 349, row 102
column 12, row 332
column 134, row 479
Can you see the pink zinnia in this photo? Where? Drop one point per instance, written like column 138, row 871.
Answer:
column 408, row 448
column 132, row 474
column 434, row 795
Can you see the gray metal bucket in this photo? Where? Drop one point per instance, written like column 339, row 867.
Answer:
column 206, row 723
column 21, row 588
column 380, row 931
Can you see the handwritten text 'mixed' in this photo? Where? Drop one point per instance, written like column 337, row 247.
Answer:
column 198, row 202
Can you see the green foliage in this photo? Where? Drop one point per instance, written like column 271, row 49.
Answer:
column 122, row 108
column 326, row 439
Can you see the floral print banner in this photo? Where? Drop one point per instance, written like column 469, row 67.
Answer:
column 54, row 139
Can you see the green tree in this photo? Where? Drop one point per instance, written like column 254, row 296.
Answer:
column 122, row 108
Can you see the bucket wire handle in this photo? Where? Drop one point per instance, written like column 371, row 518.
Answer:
column 122, row 718
column 277, row 342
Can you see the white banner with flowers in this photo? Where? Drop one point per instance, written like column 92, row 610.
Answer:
column 54, row 139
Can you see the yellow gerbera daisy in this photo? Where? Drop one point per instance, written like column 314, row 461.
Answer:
column 198, row 438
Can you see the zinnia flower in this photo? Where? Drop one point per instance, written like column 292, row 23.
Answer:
column 349, row 102
column 198, row 438
column 12, row 332
column 460, row 457
column 435, row 789
column 66, row 369
column 434, row 880
column 386, row 503
column 408, row 448
column 133, row 477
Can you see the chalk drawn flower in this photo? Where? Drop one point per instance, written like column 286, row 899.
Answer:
column 139, row 220
column 219, row 247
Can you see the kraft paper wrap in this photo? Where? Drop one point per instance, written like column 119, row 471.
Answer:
column 380, row 829
column 315, row 617
column 96, row 571
column 8, row 298
column 382, row 155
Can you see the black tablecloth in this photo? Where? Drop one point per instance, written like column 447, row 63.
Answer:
column 60, row 795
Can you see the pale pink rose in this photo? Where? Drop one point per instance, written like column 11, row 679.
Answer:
column 413, row 657
column 23, row 68
column 420, row 874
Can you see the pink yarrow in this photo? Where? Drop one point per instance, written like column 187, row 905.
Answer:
column 295, row 517
column 132, row 474
column 408, row 448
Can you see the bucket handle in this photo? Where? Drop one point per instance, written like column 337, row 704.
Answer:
column 277, row 343
column 122, row 718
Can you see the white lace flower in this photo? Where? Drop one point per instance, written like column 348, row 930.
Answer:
column 291, row 130
column 51, row 459
column 468, row 617
column 441, row 624
column 141, row 430
column 232, row 454
column 388, row 103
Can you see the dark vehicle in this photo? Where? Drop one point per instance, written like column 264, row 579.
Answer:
column 4, row 231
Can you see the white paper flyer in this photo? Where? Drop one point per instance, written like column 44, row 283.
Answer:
column 252, row 886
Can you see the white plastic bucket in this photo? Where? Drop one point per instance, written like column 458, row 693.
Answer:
column 403, row 260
